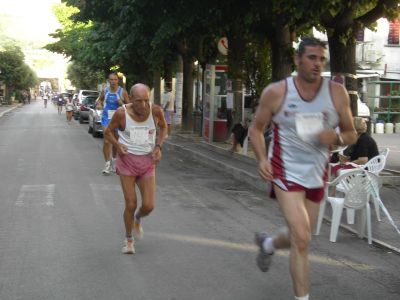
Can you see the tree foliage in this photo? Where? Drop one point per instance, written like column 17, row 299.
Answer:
column 15, row 73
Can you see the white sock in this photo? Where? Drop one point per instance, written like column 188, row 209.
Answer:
column 302, row 298
column 268, row 245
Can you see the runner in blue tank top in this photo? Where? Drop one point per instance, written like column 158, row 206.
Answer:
column 303, row 111
column 110, row 99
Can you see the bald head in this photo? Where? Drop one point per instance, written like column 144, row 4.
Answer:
column 139, row 89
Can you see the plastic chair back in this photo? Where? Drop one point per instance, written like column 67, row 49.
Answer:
column 356, row 188
column 384, row 152
column 376, row 164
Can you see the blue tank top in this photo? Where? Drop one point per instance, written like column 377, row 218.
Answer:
column 111, row 104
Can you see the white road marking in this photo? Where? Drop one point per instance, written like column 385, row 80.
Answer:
column 39, row 194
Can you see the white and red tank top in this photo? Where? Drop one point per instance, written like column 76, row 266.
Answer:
column 295, row 153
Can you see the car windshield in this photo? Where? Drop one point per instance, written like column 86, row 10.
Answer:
column 90, row 94
column 90, row 100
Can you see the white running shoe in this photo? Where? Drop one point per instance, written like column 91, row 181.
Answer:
column 107, row 168
column 128, row 247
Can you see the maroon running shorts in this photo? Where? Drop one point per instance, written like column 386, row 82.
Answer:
column 315, row 195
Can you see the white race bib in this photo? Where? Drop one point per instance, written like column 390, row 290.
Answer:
column 110, row 113
column 139, row 135
column 308, row 125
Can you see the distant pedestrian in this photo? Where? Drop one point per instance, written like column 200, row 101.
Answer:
column 69, row 108
column 60, row 104
column 109, row 100
column 168, row 104
column 139, row 151
column 304, row 111
column 45, row 98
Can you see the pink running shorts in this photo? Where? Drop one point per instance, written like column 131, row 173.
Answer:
column 135, row 165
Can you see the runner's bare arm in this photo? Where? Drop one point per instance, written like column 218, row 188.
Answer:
column 270, row 102
column 162, row 124
column 125, row 97
column 348, row 134
column 116, row 123
column 100, row 101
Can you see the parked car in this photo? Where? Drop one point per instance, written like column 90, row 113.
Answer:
column 80, row 96
column 95, row 127
column 86, row 103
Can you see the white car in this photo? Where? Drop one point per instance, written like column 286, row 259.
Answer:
column 95, row 127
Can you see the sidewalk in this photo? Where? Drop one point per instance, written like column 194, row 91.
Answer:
column 7, row 108
column 244, row 168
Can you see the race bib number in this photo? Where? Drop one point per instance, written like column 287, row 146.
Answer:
column 308, row 125
column 110, row 113
column 139, row 135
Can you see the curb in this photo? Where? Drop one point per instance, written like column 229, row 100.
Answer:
column 246, row 177
column 10, row 109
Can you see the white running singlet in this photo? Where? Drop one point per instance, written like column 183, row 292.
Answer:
column 295, row 153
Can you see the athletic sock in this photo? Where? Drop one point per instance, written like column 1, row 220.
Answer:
column 302, row 298
column 129, row 238
column 268, row 245
column 137, row 216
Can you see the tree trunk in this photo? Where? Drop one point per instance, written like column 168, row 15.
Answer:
column 157, row 87
column 343, row 62
column 178, row 94
column 236, row 57
column 168, row 74
column 282, row 53
column 187, row 96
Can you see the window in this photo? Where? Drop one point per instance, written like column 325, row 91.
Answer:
column 394, row 32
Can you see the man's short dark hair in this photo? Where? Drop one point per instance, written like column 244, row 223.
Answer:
column 309, row 41
column 112, row 73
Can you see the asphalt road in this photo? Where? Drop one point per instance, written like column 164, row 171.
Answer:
column 61, row 229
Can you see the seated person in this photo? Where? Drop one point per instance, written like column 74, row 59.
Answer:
column 361, row 152
column 239, row 133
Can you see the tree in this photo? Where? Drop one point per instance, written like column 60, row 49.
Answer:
column 83, row 78
column 342, row 20
column 15, row 73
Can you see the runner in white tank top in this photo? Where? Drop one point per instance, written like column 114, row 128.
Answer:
column 138, row 153
column 304, row 110
column 302, row 158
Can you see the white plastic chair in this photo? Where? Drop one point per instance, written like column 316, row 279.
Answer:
column 385, row 152
column 375, row 165
column 356, row 188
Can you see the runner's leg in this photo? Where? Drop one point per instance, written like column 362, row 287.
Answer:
column 147, row 187
column 300, row 217
column 128, row 188
column 106, row 147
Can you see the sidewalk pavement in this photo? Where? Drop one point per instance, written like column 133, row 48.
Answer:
column 7, row 108
column 217, row 157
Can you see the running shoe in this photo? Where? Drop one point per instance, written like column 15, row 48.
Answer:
column 107, row 168
column 128, row 247
column 137, row 229
column 263, row 258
